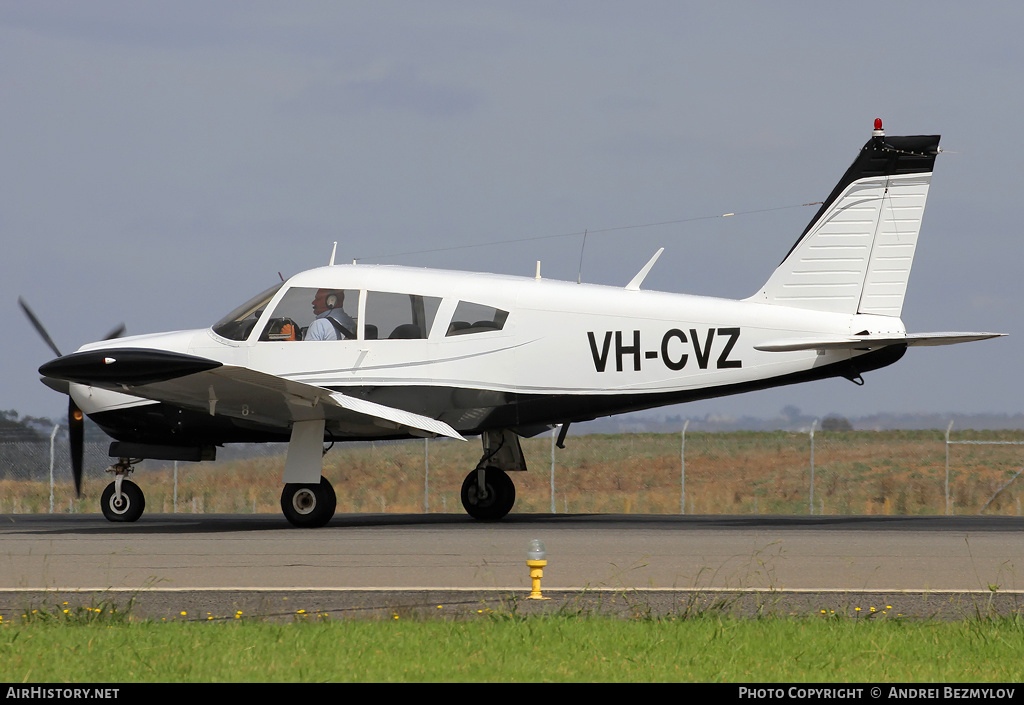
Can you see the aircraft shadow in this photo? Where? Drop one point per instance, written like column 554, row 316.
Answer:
column 95, row 524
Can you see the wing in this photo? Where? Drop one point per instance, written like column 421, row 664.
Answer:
column 871, row 342
column 227, row 390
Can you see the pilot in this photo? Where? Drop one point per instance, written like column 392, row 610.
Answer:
column 331, row 323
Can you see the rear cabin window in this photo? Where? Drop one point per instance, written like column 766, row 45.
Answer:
column 473, row 318
column 399, row 316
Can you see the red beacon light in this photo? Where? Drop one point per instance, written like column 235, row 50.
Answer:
column 878, row 132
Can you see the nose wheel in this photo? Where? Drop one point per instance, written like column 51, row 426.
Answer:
column 122, row 504
column 122, row 500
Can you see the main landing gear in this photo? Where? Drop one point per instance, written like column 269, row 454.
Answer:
column 308, row 505
column 488, row 493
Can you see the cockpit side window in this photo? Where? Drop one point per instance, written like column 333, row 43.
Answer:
column 399, row 316
column 472, row 318
column 309, row 313
column 238, row 324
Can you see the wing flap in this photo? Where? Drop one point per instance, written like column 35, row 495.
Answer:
column 398, row 416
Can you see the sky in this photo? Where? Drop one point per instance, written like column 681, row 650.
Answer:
column 161, row 162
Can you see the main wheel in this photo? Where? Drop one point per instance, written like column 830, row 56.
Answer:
column 309, row 505
column 495, row 501
column 130, row 505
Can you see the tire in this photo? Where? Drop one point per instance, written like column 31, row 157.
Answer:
column 308, row 506
column 131, row 506
column 501, row 495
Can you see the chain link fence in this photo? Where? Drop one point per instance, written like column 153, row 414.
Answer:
column 795, row 473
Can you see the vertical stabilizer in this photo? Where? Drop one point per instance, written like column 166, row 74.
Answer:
column 856, row 253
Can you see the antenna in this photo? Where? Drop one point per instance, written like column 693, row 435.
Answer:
column 579, row 274
column 333, row 250
column 642, row 274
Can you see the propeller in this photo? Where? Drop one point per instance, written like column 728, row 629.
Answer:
column 76, row 438
column 117, row 332
column 39, row 327
column 76, row 419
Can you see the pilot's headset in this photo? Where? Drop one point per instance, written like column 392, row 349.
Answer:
column 331, row 301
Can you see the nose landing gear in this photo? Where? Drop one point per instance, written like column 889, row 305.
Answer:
column 122, row 499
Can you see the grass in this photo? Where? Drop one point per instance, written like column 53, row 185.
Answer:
column 856, row 473
column 705, row 648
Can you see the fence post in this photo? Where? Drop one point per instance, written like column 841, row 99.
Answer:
column 554, row 432
column 52, row 436
column 811, row 507
column 175, row 496
column 426, row 475
column 682, row 472
column 948, row 429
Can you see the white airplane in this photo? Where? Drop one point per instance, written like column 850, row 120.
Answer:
column 425, row 353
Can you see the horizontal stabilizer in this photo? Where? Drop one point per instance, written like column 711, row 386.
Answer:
column 871, row 342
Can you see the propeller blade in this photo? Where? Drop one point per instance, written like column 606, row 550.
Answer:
column 116, row 333
column 76, row 435
column 38, row 326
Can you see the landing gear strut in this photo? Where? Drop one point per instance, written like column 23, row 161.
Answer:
column 488, row 493
column 309, row 505
column 122, row 499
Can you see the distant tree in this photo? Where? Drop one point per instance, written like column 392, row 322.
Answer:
column 790, row 412
column 13, row 428
column 834, row 422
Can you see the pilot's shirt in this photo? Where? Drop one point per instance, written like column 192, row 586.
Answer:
column 322, row 329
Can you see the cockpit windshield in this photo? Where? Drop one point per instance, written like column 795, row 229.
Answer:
column 238, row 324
